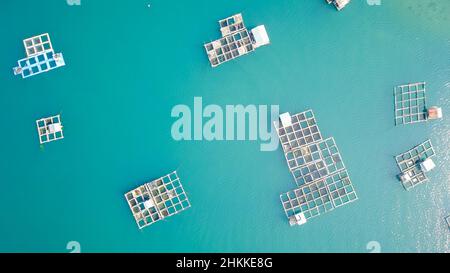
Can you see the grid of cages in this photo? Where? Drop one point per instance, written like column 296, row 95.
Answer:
column 417, row 177
column 229, row 47
column 318, row 169
column 169, row 195
column 50, row 129
column 315, row 161
column 39, row 64
column 310, row 172
column 409, row 163
column 419, row 153
column 311, row 200
column 341, row 189
column 231, row 24
column 301, row 157
column 410, row 103
column 319, row 197
column 37, row 44
column 331, row 155
column 144, row 214
column 304, row 130
column 158, row 199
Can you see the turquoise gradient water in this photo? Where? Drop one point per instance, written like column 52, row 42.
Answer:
column 128, row 65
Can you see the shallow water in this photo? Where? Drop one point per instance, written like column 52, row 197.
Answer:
column 128, row 65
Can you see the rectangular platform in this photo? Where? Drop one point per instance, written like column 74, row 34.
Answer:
column 231, row 24
column 228, row 48
column 40, row 57
column 314, row 161
column 50, row 129
column 410, row 103
column 236, row 40
column 158, row 199
column 319, row 197
column 38, row 64
column 316, row 164
column 302, row 131
column 409, row 163
column 37, row 45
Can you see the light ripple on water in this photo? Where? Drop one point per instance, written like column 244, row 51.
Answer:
column 440, row 193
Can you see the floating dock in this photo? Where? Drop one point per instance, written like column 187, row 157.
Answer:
column 236, row 40
column 50, row 129
column 411, row 104
column 339, row 4
column 415, row 163
column 323, row 183
column 158, row 199
column 40, row 57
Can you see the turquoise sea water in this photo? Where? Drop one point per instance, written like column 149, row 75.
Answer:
column 128, row 65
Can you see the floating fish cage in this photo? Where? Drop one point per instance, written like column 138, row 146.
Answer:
column 158, row 199
column 323, row 183
column 50, row 129
column 339, row 4
column 314, row 161
column 236, row 40
column 415, row 163
column 319, row 197
column 40, row 57
column 299, row 130
column 411, row 104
